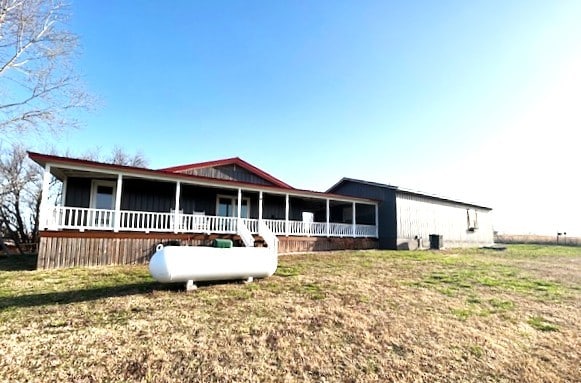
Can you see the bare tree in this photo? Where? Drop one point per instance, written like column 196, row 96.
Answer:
column 21, row 185
column 118, row 156
column 21, row 190
column 38, row 85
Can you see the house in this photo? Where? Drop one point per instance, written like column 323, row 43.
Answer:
column 409, row 219
column 113, row 214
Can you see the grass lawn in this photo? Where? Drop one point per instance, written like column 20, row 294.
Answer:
column 449, row 316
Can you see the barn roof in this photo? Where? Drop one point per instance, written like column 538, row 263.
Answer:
column 398, row 189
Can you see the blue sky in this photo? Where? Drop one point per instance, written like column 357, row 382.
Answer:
column 474, row 100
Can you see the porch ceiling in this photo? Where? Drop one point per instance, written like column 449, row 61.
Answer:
column 63, row 173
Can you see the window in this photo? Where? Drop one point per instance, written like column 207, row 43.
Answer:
column 227, row 206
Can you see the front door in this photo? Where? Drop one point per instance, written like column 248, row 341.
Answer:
column 103, row 199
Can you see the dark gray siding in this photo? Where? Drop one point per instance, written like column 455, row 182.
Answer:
column 365, row 214
column 229, row 172
column 199, row 199
column 273, row 206
column 78, row 192
column 299, row 205
column 152, row 196
column 142, row 195
column 387, row 208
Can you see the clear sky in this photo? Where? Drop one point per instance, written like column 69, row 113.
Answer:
column 474, row 100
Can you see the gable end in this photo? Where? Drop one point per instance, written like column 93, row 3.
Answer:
column 230, row 172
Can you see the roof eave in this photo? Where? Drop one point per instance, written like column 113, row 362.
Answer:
column 407, row 191
column 73, row 163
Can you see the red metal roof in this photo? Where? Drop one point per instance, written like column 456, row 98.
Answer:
column 43, row 159
column 230, row 161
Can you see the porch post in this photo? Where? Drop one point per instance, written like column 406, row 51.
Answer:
column 328, row 214
column 117, row 216
column 353, row 219
column 260, row 196
column 286, row 211
column 239, row 213
column 176, row 218
column 376, row 220
column 239, row 209
column 42, row 215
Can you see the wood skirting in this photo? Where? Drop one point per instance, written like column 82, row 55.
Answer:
column 308, row 244
column 60, row 249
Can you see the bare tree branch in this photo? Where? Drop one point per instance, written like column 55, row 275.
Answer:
column 21, row 189
column 38, row 85
column 19, row 180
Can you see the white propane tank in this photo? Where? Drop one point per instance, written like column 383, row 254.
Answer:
column 199, row 263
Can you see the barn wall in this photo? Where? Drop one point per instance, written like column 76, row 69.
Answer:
column 386, row 209
column 421, row 216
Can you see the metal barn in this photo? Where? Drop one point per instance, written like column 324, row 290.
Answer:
column 409, row 219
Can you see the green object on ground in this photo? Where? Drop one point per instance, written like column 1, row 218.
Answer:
column 223, row 243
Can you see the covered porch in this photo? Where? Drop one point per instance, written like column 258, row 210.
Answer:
column 98, row 200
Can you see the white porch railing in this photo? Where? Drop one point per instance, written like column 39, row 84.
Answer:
column 63, row 217
column 146, row 221
column 251, row 224
column 277, row 226
column 245, row 234
column 194, row 223
column 80, row 218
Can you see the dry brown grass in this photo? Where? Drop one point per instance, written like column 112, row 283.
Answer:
column 454, row 316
